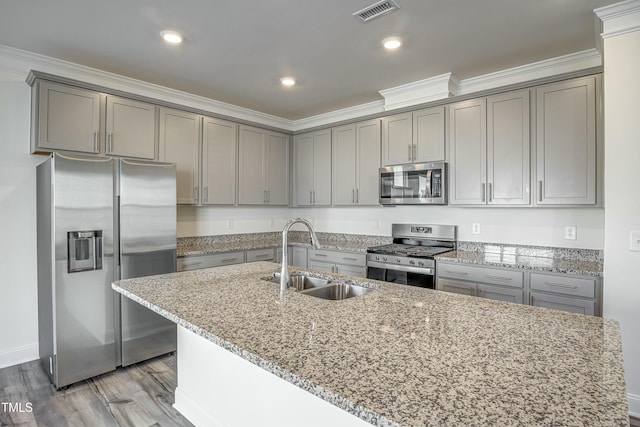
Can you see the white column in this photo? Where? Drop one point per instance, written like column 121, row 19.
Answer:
column 621, row 36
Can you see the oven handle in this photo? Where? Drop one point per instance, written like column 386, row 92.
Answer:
column 405, row 268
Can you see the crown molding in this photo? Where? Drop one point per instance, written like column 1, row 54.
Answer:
column 421, row 91
column 619, row 18
column 22, row 62
column 333, row 117
column 537, row 70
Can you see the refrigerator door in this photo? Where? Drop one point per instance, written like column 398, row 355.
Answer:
column 147, row 231
column 75, row 267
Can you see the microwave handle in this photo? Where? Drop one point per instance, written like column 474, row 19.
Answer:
column 429, row 183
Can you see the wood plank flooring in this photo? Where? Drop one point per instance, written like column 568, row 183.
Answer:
column 138, row 395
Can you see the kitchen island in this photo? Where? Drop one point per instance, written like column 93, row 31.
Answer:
column 400, row 355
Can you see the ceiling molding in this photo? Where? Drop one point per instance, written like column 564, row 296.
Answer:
column 620, row 18
column 421, row 91
column 333, row 117
column 549, row 67
column 20, row 61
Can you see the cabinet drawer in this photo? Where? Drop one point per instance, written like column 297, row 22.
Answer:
column 207, row 261
column 338, row 257
column 564, row 285
column 481, row 274
column 456, row 287
column 572, row 305
column 267, row 254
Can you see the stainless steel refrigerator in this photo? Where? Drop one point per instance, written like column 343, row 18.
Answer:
column 99, row 220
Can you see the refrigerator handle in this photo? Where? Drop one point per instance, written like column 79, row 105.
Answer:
column 117, row 261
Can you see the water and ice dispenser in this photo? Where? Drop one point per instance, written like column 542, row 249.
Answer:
column 84, row 250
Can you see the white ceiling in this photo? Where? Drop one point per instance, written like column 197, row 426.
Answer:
column 236, row 51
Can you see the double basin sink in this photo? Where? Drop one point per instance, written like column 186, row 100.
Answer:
column 322, row 288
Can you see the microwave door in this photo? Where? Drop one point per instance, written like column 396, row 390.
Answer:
column 428, row 183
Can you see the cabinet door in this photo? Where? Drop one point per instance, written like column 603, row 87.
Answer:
column 322, row 168
column 566, row 143
column 368, row 162
column 277, row 169
column 179, row 144
column 299, row 257
column 251, row 174
column 219, row 160
column 500, row 294
column 304, row 168
column 572, row 305
column 131, row 128
column 351, row 270
column 456, row 287
column 68, row 118
column 428, row 135
column 344, row 162
column 397, row 139
column 508, row 148
column 327, row 267
column 267, row 254
column 468, row 152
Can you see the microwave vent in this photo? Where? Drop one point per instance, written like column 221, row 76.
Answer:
column 376, row 10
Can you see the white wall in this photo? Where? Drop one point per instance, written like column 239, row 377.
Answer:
column 18, row 280
column 622, row 186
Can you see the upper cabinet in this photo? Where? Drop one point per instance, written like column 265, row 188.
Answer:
column 312, row 168
column 180, row 144
column 219, row 161
column 65, row 118
column 489, row 147
column 566, row 170
column 356, row 163
column 263, row 167
column 415, row 137
column 130, row 128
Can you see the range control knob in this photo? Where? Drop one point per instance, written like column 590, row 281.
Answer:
column 421, row 263
column 412, row 262
column 377, row 257
column 384, row 258
column 399, row 259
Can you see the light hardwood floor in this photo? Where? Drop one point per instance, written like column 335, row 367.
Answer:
column 634, row 422
column 138, row 395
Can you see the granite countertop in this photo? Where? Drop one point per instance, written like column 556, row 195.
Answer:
column 403, row 355
column 190, row 246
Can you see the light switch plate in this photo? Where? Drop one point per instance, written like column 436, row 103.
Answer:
column 570, row 232
column 475, row 228
column 635, row 241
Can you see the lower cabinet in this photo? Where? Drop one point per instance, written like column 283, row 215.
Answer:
column 297, row 257
column 266, row 254
column 207, row 261
column 575, row 294
column 349, row 263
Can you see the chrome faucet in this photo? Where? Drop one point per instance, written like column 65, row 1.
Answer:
column 284, row 269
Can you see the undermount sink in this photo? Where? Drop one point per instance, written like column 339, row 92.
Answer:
column 322, row 288
column 337, row 291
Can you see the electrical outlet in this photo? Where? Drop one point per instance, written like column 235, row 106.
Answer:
column 570, row 232
column 475, row 228
column 635, row 241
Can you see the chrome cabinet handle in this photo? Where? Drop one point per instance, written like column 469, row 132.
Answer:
column 310, row 197
column 490, row 192
column 415, row 149
column 263, row 256
column 497, row 277
column 314, row 197
column 322, row 255
column 456, row 272
column 540, row 190
column 228, row 260
column 95, row 141
column 353, row 195
column 408, row 151
column 268, row 196
column 561, row 285
column 483, row 192
column 191, row 264
column 110, row 143
column 357, row 195
column 195, row 194
column 349, row 259
column 264, row 196
column 206, row 194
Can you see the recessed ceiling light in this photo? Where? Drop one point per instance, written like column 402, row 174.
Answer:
column 392, row 43
column 288, row 81
column 172, row 37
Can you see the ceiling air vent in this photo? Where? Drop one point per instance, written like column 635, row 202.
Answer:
column 376, row 10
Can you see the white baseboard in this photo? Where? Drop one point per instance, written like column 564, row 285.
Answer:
column 634, row 404
column 192, row 412
column 18, row 355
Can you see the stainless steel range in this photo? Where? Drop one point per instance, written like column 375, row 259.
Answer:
column 409, row 259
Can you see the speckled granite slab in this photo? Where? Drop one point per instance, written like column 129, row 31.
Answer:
column 403, row 355
column 584, row 262
column 188, row 246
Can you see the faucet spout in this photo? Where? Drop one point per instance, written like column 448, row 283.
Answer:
column 284, row 269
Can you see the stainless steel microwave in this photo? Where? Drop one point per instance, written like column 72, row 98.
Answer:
column 414, row 184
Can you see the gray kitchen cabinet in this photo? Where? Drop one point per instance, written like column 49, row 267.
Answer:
column 489, row 146
column 493, row 283
column 356, row 163
column 206, row 261
column 353, row 264
column 299, row 256
column 180, row 144
column 414, row 137
column 312, row 168
column 263, row 167
column 566, row 143
column 265, row 254
column 576, row 294
column 55, row 107
column 130, row 128
column 219, row 161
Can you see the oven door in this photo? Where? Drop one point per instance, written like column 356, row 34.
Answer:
column 403, row 276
